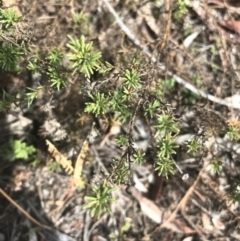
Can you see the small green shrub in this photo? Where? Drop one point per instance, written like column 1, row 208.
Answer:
column 17, row 150
column 100, row 199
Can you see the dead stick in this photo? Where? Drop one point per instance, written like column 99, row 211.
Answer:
column 22, row 210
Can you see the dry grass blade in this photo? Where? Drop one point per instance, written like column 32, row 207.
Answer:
column 234, row 123
column 66, row 164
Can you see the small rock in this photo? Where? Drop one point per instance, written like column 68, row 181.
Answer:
column 45, row 193
column 51, row 180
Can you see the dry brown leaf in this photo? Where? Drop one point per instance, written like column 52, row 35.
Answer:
column 66, row 164
column 231, row 25
column 19, row 178
column 148, row 207
column 225, row 2
column 79, row 182
column 228, row 26
column 151, row 210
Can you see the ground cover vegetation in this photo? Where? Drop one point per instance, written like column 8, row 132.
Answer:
column 119, row 120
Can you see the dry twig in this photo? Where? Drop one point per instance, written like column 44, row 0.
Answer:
column 22, row 210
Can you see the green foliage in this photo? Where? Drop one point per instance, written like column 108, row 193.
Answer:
column 10, row 56
column 164, row 166
column 128, row 94
column 234, row 133
column 100, row 200
column 84, row 59
column 124, row 228
column 187, row 31
column 162, row 87
column 168, row 84
column 34, row 66
column 121, row 171
column 194, row 146
column 151, row 108
column 56, row 77
column 214, row 67
column 117, row 100
column 235, row 193
column 138, row 157
column 165, row 125
column 213, row 49
column 54, row 166
column 166, row 147
column 55, row 57
column 181, row 10
column 36, row 162
column 8, row 18
column 7, row 101
column 10, row 53
column 55, row 71
column 117, row 103
column 79, row 20
column 32, row 94
column 164, row 163
column 19, row 150
column 98, row 106
column 122, row 141
column 215, row 165
column 197, row 78
column 131, row 79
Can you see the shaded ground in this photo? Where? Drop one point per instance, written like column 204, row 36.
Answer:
column 199, row 44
